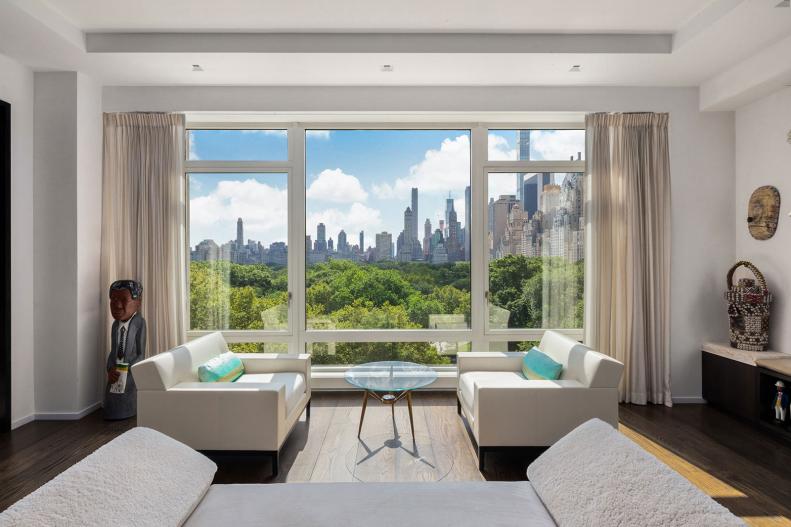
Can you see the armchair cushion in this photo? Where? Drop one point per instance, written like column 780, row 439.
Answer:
column 223, row 368
column 538, row 365
column 294, row 384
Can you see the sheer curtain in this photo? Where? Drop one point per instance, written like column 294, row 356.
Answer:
column 142, row 219
column 628, row 278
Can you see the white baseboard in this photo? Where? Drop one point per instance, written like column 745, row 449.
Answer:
column 23, row 421
column 689, row 400
column 67, row 416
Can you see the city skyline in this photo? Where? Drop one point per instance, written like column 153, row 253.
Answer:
column 355, row 180
column 523, row 221
column 450, row 236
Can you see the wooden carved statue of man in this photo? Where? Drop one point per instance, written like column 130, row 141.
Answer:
column 128, row 337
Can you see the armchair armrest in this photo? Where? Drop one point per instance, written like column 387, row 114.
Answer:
column 489, row 361
column 218, row 416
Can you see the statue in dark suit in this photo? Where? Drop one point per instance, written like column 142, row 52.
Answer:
column 128, row 338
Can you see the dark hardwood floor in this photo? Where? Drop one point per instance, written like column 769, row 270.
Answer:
column 745, row 469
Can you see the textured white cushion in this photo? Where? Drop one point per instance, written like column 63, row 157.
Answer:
column 413, row 504
column 140, row 478
column 293, row 382
column 597, row 476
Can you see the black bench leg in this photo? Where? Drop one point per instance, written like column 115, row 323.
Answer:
column 458, row 405
column 307, row 411
column 275, row 463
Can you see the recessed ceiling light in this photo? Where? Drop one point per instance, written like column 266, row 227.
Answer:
column 387, row 67
column 576, row 68
column 196, row 67
column 784, row 3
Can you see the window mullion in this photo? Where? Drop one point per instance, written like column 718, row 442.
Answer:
column 297, row 236
column 478, row 264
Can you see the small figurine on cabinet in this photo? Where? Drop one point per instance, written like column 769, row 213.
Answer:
column 780, row 403
column 128, row 337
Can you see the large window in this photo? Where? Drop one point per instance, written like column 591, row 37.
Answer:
column 387, row 229
column 536, row 250
column 238, row 230
column 413, row 243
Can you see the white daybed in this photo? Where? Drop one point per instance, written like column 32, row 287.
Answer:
column 594, row 476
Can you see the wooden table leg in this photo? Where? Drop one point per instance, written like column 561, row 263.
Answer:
column 362, row 415
column 409, row 404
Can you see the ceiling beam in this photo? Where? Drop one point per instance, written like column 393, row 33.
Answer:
column 705, row 19
column 377, row 43
column 761, row 74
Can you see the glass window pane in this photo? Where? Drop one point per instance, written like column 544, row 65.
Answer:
column 536, row 145
column 536, row 237
column 238, row 229
column 350, row 353
column 237, row 145
column 387, row 217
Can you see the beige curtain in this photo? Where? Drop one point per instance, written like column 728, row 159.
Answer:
column 142, row 220
column 628, row 275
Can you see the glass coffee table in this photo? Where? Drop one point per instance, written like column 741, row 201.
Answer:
column 389, row 382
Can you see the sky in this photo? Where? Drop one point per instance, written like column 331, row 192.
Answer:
column 356, row 179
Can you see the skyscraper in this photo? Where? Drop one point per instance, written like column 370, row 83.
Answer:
column 427, row 239
column 362, row 241
column 499, row 211
column 239, row 234
column 531, row 192
column 407, row 239
column 414, row 211
column 448, row 208
column 321, row 238
column 467, row 222
column 452, row 244
column 342, row 244
column 522, row 154
column 384, row 247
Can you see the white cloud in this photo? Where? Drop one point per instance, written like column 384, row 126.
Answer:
column 441, row 171
column 318, row 134
column 356, row 218
column 263, row 208
column 499, row 150
column 501, row 184
column 557, row 145
column 336, row 186
column 279, row 133
column 193, row 155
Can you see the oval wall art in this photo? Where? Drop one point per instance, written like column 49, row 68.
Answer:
column 763, row 211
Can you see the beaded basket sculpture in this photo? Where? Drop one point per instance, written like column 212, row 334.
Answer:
column 748, row 310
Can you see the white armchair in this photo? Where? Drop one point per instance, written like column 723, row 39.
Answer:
column 504, row 409
column 255, row 413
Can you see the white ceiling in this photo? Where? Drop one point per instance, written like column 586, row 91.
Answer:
column 379, row 15
column 712, row 42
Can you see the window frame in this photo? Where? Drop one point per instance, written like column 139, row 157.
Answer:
column 298, row 336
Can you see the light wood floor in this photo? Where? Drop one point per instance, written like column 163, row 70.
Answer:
column 745, row 469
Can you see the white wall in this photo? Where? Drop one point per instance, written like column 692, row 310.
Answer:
column 16, row 87
column 90, row 367
column 701, row 164
column 763, row 157
column 55, row 230
column 67, row 205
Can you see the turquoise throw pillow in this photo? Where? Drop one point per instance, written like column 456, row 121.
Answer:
column 537, row 365
column 224, row 368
